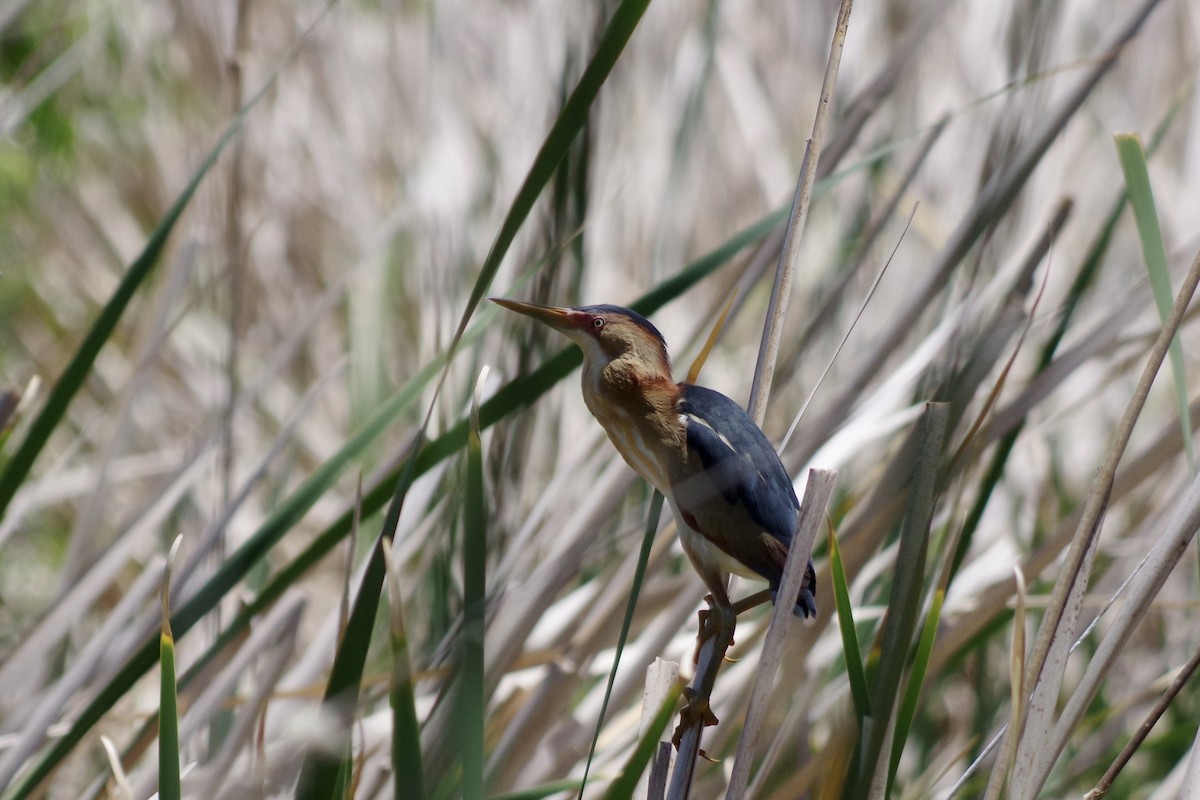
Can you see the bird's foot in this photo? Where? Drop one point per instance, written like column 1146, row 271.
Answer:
column 717, row 621
column 695, row 710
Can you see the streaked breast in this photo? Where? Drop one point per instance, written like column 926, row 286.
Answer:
column 635, row 446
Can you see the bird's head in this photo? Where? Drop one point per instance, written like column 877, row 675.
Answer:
column 604, row 333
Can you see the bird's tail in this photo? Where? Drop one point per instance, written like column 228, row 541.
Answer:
column 806, row 601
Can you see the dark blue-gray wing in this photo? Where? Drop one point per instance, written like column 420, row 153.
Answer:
column 742, row 466
column 741, row 461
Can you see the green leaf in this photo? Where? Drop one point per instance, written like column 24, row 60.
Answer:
column 321, row 772
column 408, row 769
column 318, row 774
column 1141, row 200
column 168, row 707
column 907, row 591
column 626, row 783
column 656, row 504
column 912, row 693
column 73, row 376
column 850, row 645
column 471, row 701
column 168, row 723
column 570, row 121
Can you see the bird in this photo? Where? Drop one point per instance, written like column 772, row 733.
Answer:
column 734, row 505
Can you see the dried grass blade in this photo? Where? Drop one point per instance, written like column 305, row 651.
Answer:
column 1110, row 775
column 1163, row 558
column 1052, row 634
column 1003, row 768
column 69, row 383
column 123, row 789
column 993, row 201
column 789, row 257
column 693, row 373
column 1085, row 278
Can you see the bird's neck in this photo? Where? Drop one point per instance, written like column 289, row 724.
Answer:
column 636, row 407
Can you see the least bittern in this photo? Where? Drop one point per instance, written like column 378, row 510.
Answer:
column 733, row 501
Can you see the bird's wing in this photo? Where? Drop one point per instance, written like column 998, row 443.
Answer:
column 734, row 491
column 738, row 487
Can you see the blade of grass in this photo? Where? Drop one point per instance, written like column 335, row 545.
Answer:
column 321, row 772
column 471, row 701
column 9, row 399
column 850, row 645
column 1051, row 634
column 693, row 373
column 846, row 336
column 656, row 504
column 912, row 692
column 626, row 783
column 905, row 598
column 1141, row 200
column 168, row 709
column 123, row 789
column 1084, row 279
column 1002, row 771
column 72, row 378
column 558, row 141
column 1016, row 661
column 408, row 772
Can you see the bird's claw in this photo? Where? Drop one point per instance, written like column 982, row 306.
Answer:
column 695, row 710
column 715, row 621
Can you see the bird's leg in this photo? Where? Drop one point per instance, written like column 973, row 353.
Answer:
column 717, row 624
column 718, row 620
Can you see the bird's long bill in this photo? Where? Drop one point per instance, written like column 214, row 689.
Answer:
column 561, row 319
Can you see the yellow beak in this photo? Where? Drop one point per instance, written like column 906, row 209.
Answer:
column 561, row 319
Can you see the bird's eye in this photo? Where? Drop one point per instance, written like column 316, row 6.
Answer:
column 598, row 323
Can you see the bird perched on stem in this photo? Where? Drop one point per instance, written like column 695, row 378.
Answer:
column 734, row 504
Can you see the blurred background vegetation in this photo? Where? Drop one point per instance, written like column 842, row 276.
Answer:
column 284, row 339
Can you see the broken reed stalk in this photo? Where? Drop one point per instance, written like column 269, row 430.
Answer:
column 812, row 513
